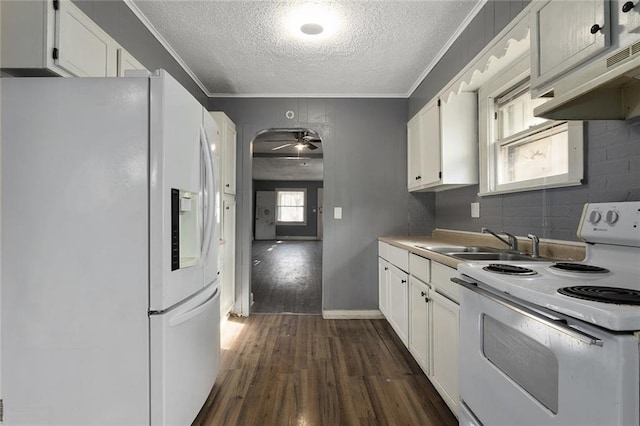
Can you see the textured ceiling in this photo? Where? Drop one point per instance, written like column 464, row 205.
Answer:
column 287, row 168
column 245, row 48
column 275, row 156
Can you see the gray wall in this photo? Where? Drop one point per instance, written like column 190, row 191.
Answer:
column 612, row 155
column 310, row 229
column 115, row 17
column 364, row 143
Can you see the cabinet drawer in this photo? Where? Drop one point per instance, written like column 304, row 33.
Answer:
column 419, row 267
column 383, row 250
column 441, row 280
column 399, row 257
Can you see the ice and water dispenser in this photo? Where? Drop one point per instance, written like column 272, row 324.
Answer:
column 185, row 229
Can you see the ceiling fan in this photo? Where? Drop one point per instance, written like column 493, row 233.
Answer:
column 301, row 140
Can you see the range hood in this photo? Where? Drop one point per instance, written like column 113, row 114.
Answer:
column 607, row 89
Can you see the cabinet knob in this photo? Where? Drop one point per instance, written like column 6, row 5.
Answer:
column 426, row 299
column 227, row 185
column 404, row 281
column 595, row 28
column 386, row 269
column 627, row 6
column 422, row 293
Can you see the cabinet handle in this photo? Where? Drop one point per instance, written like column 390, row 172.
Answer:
column 386, row 269
column 418, row 177
column 404, row 281
column 227, row 185
column 426, row 299
column 595, row 28
column 627, row 6
column 423, row 294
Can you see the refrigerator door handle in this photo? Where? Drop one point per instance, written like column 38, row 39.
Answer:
column 193, row 312
column 209, row 193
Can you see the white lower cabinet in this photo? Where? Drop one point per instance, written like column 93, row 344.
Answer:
column 444, row 374
column 419, row 321
column 398, row 312
column 383, row 286
column 422, row 307
column 445, row 317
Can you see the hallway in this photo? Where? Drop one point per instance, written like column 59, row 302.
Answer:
column 287, row 277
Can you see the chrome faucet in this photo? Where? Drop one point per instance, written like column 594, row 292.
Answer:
column 535, row 245
column 512, row 243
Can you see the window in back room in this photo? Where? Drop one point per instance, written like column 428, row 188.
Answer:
column 290, row 206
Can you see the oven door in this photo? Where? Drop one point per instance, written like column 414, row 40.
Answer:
column 527, row 366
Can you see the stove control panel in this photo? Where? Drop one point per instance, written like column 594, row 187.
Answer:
column 611, row 223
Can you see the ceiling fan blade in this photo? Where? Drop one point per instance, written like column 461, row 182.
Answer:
column 281, row 146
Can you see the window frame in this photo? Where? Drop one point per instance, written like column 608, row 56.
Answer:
column 304, row 207
column 488, row 145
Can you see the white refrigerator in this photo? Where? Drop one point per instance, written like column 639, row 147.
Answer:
column 110, row 235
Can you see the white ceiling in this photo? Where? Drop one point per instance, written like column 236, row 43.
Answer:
column 380, row 48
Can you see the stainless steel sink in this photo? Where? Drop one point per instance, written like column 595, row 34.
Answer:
column 479, row 253
column 493, row 256
column 460, row 249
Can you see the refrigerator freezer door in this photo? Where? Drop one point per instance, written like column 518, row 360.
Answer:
column 75, row 328
column 175, row 164
column 212, row 137
column 185, row 357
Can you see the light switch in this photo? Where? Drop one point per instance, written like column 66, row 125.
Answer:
column 475, row 209
column 337, row 212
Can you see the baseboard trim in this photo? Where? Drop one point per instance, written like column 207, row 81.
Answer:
column 352, row 314
column 296, row 238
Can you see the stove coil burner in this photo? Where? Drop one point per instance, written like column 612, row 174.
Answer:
column 578, row 267
column 501, row 268
column 616, row 295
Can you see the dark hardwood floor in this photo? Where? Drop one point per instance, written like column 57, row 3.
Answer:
column 304, row 370
column 287, row 277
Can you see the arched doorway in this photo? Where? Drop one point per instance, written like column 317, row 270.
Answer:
column 287, row 183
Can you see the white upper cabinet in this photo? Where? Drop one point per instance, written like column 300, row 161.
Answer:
column 126, row 62
column 228, row 138
column 443, row 144
column 565, row 34
column 54, row 37
column 630, row 11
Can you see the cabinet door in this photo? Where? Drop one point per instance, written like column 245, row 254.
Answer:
column 127, row 62
column 430, row 143
column 229, row 179
column 565, row 34
column 84, row 49
column 383, row 286
column 419, row 322
column 444, row 368
column 228, row 292
column 414, row 159
column 629, row 13
column 398, row 303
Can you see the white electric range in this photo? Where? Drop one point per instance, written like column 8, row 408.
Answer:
column 556, row 343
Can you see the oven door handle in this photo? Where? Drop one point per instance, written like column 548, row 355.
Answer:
column 555, row 324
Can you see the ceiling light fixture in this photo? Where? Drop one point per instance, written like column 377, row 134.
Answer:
column 312, row 20
column 311, row 28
